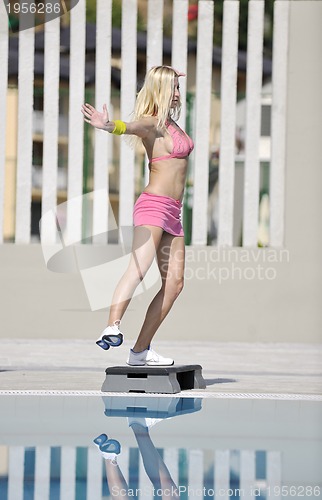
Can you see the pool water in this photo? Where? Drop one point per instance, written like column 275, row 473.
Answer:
column 145, row 447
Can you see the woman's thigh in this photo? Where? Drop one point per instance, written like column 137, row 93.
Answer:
column 171, row 258
column 146, row 240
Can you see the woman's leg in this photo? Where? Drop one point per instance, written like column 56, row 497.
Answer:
column 115, row 481
column 155, row 467
column 170, row 255
column 146, row 240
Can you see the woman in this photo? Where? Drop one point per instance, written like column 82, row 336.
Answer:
column 157, row 227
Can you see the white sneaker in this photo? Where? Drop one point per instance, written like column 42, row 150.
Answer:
column 148, row 357
column 110, row 337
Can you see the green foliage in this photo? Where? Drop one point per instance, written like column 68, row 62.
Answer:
column 116, row 14
column 218, row 16
column 91, row 11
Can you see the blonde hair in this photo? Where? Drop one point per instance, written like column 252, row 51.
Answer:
column 154, row 99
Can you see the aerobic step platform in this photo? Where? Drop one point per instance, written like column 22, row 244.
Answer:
column 150, row 407
column 148, row 379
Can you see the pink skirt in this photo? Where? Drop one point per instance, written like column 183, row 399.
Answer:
column 155, row 210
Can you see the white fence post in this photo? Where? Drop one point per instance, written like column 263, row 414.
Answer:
column 51, row 120
column 222, row 473
column 203, row 107
column 42, row 473
column 68, row 473
column 228, row 121
column 128, row 94
column 25, row 111
column 274, row 472
column 16, row 472
column 180, row 49
column 154, row 49
column 4, row 47
column 195, row 472
column 76, row 122
column 247, row 476
column 278, row 135
column 253, row 120
column 103, row 140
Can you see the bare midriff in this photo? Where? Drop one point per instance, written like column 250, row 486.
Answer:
column 167, row 178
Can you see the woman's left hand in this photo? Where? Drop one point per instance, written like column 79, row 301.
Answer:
column 94, row 117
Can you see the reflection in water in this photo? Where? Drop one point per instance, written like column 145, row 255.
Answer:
column 147, row 447
column 155, row 468
column 142, row 414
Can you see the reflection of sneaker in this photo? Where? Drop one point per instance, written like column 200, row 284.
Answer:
column 110, row 337
column 109, row 448
column 148, row 357
column 99, row 440
column 144, row 422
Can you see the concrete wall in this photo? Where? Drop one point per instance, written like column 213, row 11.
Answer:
column 264, row 295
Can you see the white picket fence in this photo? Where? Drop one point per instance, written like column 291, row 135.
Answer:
column 128, row 91
column 219, row 487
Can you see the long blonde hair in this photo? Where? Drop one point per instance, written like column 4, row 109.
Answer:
column 154, row 98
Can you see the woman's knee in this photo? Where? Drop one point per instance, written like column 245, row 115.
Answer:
column 173, row 287
column 137, row 271
column 180, row 285
column 135, row 276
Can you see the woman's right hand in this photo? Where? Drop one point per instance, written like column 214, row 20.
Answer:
column 94, row 117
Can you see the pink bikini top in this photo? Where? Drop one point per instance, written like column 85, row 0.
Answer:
column 182, row 144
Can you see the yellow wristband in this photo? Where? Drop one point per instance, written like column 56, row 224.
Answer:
column 119, row 128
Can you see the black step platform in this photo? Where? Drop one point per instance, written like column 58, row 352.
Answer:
column 150, row 379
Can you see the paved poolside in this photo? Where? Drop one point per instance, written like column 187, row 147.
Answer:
column 233, row 368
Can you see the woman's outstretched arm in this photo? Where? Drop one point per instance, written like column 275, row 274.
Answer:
column 101, row 120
